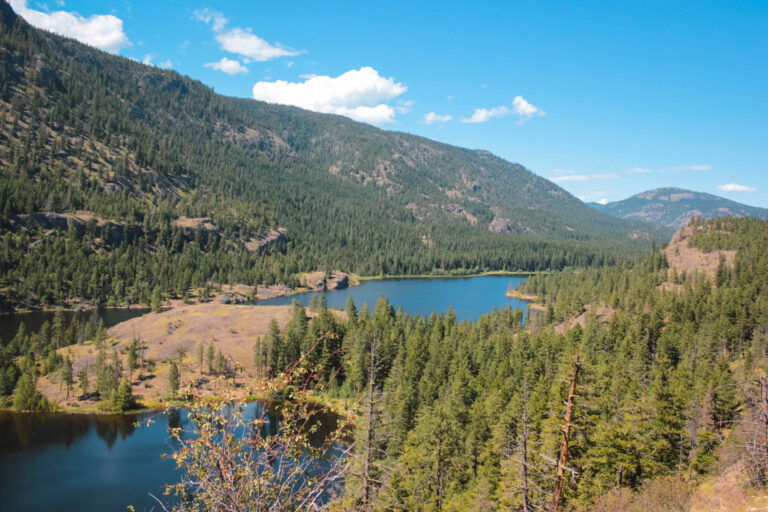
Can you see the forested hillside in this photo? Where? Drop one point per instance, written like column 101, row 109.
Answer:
column 666, row 392
column 121, row 180
column 663, row 388
column 664, row 372
column 674, row 207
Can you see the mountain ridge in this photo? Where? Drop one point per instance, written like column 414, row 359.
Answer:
column 673, row 207
column 83, row 130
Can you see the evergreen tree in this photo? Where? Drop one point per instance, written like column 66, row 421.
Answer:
column 173, row 379
column 122, row 398
column 209, row 357
column 67, row 377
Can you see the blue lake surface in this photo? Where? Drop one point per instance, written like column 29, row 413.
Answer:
column 102, row 463
column 470, row 297
column 80, row 463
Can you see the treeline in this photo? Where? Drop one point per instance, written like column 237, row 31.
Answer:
column 138, row 147
column 661, row 383
column 28, row 356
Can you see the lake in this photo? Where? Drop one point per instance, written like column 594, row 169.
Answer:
column 470, row 297
column 77, row 463
column 9, row 322
column 101, row 463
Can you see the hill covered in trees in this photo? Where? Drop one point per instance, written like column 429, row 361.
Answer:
column 121, row 181
column 664, row 372
column 674, row 207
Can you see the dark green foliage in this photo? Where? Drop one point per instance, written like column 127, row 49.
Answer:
column 139, row 148
column 173, row 379
column 661, row 383
column 27, row 397
column 67, row 377
column 122, row 398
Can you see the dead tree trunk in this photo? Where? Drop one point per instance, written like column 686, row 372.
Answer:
column 524, row 447
column 764, row 408
column 369, row 429
column 563, row 460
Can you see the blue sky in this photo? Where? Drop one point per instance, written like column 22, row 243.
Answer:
column 607, row 99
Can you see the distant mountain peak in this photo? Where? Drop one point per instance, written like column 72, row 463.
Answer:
column 673, row 207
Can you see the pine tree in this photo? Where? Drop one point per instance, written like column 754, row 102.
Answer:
column 83, row 378
column 122, row 398
column 27, row 397
column 66, row 375
column 209, row 358
column 132, row 359
column 173, row 379
column 351, row 310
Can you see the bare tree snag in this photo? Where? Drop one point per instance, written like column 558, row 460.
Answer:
column 563, row 461
column 524, row 461
column 369, row 429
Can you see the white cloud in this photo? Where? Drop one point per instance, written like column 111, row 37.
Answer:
column 147, row 60
column 360, row 94
column 520, row 106
column 733, row 187
column 431, row 118
column 559, row 175
column 103, row 31
column 585, row 177
column 245, row 43
column 525, row 110
column 603, row 201
column 166, row 64
column 403, row 107
column 228, row 66
column 482, row 115
column 681, row 168
column 217, row 20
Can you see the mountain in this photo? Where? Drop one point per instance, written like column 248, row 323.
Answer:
column 674, row 207
column 120, row 180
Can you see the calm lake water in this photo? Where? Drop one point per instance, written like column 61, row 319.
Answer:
column 470, row 297
column 9, row 322
column 103, row 463
column 79, row 463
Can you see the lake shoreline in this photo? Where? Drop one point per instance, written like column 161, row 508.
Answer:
column 272, row 291
column 232, row 326
column 511, row 273
column 531, row 299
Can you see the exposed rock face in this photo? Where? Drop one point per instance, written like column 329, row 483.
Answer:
column 336, row 281
column 274, row 235
column 683, row 258
column 500, row 225
column 45, row 76
column 231, row 298
column 456, row 210
column 193, row 223
column 48, row 221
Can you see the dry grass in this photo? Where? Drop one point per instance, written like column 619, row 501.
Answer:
column 176, row 334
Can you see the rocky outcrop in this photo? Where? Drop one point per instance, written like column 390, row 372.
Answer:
column 684, row 258
column 500, row 225
column 336, row 281
column 269, row 238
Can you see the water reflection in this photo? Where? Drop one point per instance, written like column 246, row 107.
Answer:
column 99, row 462
column 33, row 321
